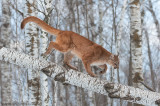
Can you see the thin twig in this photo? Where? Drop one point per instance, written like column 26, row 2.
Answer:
column 36, row 8
column 149, row 88
column 15, row 8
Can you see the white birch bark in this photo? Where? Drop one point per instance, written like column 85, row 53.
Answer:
column 55, row 94
column 31, row 36
column 58, row 58
column 78, row 90
column 136, row 43
column 79, row 79
column 78, row 96
column 6, row 75
column 44, row 43
column 91, row 98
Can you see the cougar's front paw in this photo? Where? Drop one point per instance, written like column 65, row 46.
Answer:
column 102, row 72
column 74, row 68
column 93, row 75
column 45, row 56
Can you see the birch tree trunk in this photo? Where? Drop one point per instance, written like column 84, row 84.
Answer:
column 1, row 44
column 44, row 43
column 100, row 22
column 86, row 19
column 80, row 94
column 150, row 62
column 148, row 46
column 31, row 36
column 79, row 79
column 136, row 43
column 121, row 26
column 58, row 96
column 118, row 38
column 6, row 75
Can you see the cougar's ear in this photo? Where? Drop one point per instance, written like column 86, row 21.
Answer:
column 112, row 57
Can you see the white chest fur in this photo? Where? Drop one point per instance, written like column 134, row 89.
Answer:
column 97, row 63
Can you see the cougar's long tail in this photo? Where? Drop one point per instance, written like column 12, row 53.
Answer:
column 40, row 23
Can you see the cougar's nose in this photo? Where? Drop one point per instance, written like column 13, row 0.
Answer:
column 115, row 66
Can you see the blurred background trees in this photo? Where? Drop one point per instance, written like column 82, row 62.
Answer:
column 106, row 22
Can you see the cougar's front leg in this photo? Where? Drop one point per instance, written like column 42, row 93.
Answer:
column 67, row 59
column 88, row 68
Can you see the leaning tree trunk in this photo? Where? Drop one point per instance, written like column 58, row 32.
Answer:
column 5, row 68
column 150, row 62
column 31, row 36
column 136, row 43
column 76, row 78
column 155, row 19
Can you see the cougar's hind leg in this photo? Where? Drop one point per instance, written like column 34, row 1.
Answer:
column 54, row 45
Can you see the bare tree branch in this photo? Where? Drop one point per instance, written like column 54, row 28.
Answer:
column 15, row 8
column 147, row 87
column 36, row 8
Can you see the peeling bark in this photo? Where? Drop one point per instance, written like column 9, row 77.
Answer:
column 31, row 36
column 136, row 43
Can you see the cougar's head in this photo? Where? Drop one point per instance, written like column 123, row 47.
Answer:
column 114, row 61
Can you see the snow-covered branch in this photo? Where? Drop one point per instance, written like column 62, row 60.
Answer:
column 69, row 76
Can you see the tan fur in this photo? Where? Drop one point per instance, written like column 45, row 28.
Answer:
column 71, row 43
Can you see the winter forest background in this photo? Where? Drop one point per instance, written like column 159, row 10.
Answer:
column 106, row 22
